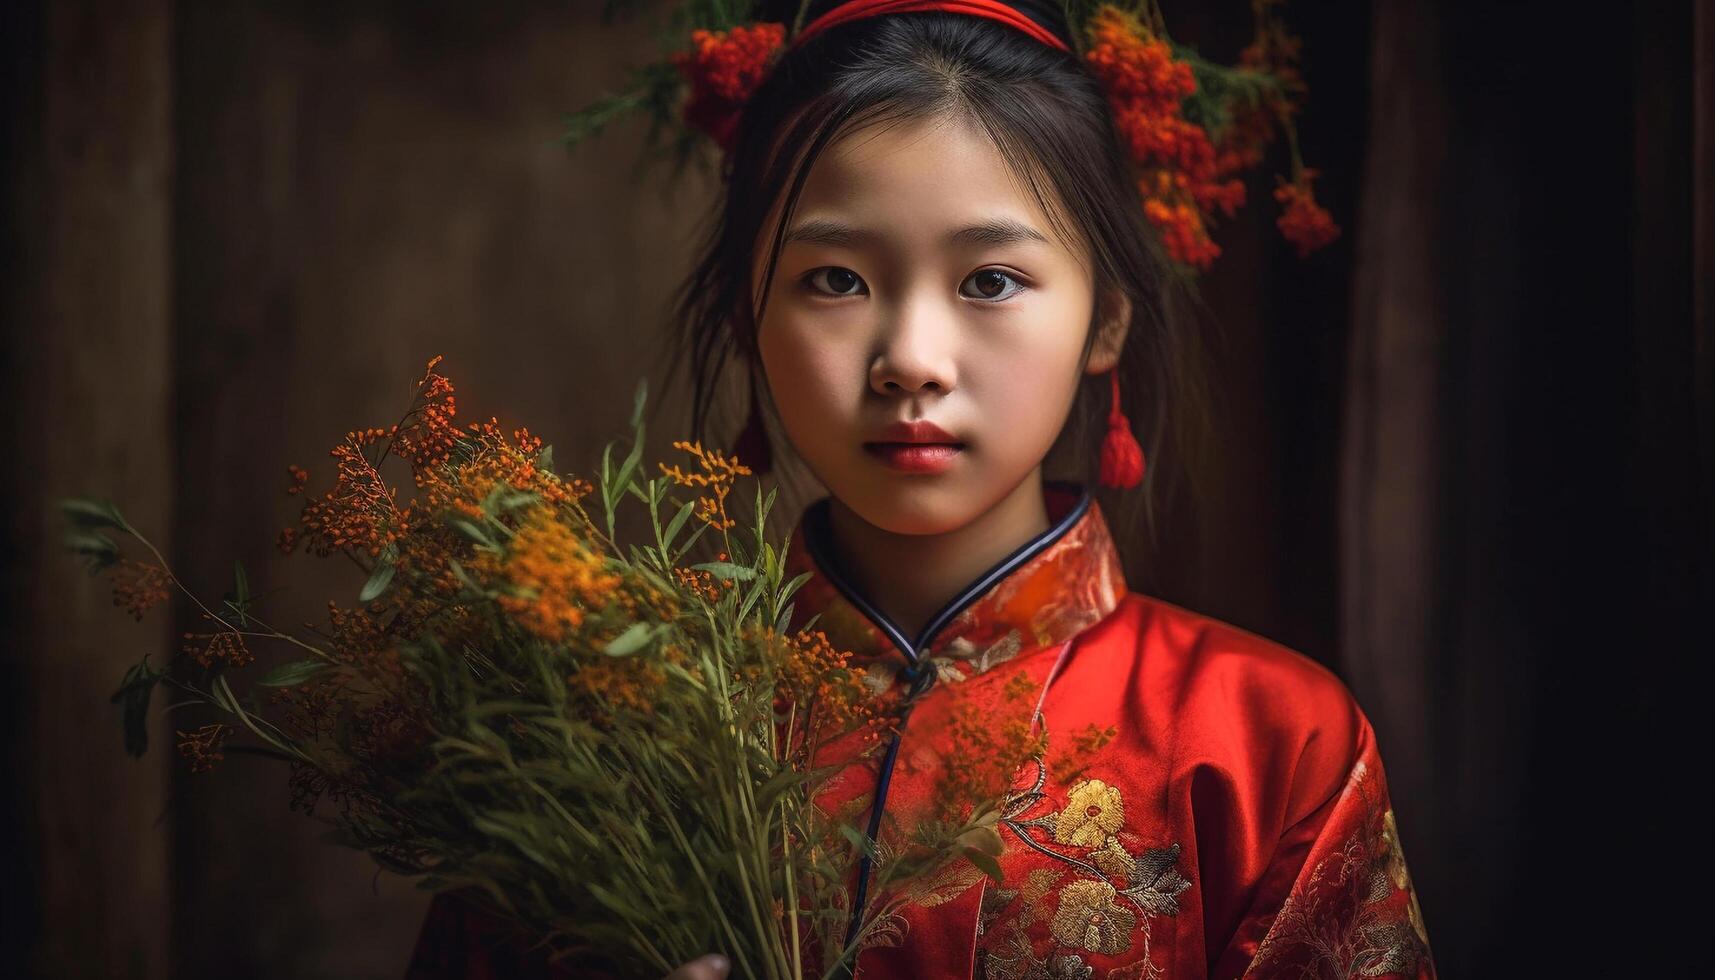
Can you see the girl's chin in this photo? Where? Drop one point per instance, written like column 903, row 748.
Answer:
column 901, row 505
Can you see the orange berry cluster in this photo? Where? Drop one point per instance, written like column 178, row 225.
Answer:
column 819, row 690
column 202, row 746
column 723, row 68
column 138, row 586
column 1304, row 223
column 555, row 579
column 1186, row 178
column 985, row 746
column 223, row 647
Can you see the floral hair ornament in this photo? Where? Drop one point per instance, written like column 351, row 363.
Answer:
column 1190, row 126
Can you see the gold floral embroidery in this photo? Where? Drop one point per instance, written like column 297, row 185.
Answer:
column 1155, row 881
column 1094, row 812
column 1088, row 918
column 939, row 888
column 1102, row 898
column 1349, row 919
column 1401, row 877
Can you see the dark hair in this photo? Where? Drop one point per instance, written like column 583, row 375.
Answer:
column 1048, row 117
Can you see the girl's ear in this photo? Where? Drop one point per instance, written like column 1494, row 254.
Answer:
column 1110, row 333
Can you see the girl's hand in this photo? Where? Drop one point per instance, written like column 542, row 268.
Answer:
column 713, row 966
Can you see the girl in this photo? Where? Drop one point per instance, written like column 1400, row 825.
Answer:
column 931, row 256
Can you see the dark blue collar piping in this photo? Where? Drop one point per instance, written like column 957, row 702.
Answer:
column 818, row 538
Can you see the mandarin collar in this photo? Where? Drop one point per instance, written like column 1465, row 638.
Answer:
column 1052, row 587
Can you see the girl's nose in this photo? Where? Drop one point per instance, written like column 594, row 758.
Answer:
column 916, row 351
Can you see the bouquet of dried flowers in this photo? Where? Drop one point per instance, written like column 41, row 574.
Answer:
column 612, row 743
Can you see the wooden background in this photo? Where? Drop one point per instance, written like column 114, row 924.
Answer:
column 1464, row 454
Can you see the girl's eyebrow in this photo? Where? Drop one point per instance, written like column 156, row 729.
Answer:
column 837, row 234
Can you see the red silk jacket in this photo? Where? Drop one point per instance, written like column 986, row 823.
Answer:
column 1237, row 825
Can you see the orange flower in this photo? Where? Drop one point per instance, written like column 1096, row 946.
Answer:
column 223, row 647
column 1183, row 232
column 429, row 434
column 556, row 579
column 1306, row 224
column 1182, row 171
column 719, row 473
column 1136, row 69
column 723, row 68
column 359, row 514
column 1186, row 177
column 986, row 745
column 830, row 694
column 202, row 746
column 624, row 684
column 137, row 586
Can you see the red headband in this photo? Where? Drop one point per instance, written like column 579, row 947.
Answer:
column 845, row 13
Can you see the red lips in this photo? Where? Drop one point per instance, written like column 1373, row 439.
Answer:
column 918, row 446
column 919, row 430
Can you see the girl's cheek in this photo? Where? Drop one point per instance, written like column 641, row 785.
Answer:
column 810, row 373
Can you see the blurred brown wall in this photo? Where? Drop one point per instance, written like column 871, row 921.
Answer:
column 249, row 226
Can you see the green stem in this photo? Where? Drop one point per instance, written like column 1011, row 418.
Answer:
column 729, row 726
column 666, row 809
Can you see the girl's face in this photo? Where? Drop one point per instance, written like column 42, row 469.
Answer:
column 924, row 327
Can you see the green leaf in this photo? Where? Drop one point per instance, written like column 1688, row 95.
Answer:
column 504, row 497
column 784, row 620
column 792, row 586
column 859, row 839
column 378, row 581
column 294, row 673
column 133, row 697
column 464, row 577
column 628, row 469
column 93, row 513
column 545, row 459
column 726, row 569
column 98, row 550
column 621, row 906
column 589, row 121
column 750, row 598
column 691, row 541
column 637, row 401
column 473, row 531
column 240, row 601
column 985, row 863
column 777, row 784
column 677, row 524
column 632, row 640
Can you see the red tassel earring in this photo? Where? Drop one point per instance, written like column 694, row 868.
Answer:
column 1122, row 457
column 751, row 446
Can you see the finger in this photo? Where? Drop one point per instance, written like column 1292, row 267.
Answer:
column 714, row 966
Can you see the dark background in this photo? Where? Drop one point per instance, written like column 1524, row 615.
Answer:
column 1465, row 454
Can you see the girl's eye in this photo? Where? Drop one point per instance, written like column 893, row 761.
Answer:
column 992, row 285
column 839, row 281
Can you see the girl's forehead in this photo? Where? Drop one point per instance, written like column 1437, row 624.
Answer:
column 920, row 173
column 937, row 158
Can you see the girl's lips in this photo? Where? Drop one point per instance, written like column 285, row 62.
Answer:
column 915, row 457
